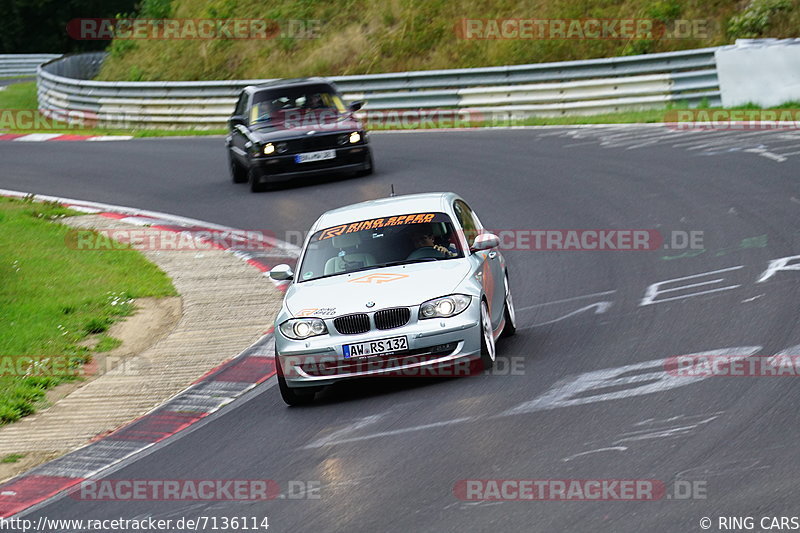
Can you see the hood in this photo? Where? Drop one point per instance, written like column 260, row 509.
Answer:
column 282, row 127
column 402, row 285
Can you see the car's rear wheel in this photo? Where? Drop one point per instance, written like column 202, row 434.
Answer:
column 238, row 175
column 369, row 169
column 509, row 313
column 488, row 353
column 291, row 395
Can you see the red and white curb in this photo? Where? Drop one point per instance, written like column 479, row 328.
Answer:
column 211, row 392
column 40, row 137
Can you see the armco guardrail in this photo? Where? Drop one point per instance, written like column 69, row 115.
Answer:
column 548, row 89
column 20, row 65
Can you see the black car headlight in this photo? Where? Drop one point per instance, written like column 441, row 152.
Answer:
column 354, row 137
column 303, row 328
column 269, row 149
column 444, row 307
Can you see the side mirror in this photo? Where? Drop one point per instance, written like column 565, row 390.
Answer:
column 235, row 120
column 485, row 241
column 281, row 273
column 355, row 106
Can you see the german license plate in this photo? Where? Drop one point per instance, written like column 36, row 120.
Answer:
column 381, row 346
column 308, row 157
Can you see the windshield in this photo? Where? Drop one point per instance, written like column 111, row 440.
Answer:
column 273, row 104
column 379, row 242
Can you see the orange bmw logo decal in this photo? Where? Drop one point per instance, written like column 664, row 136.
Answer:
column 378, row 278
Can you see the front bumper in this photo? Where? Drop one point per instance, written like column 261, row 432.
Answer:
column 276, row 168
column 436, row 347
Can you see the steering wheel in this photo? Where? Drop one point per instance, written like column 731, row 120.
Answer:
column 425, row 251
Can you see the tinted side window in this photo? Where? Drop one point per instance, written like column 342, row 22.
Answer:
column 240, row 104
column 467, row 220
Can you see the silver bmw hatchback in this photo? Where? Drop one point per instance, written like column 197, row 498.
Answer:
column 401, row 286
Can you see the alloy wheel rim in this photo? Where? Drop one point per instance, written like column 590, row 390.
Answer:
column 512, row 313
column 487, row 331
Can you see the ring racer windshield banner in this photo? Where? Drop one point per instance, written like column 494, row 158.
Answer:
column 398, row 220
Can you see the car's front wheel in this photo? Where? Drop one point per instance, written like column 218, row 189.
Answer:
column 488, row 353
column 368, row 169
column 238, row 175
column 255, row 184
column 291, row 396
column 509, row 312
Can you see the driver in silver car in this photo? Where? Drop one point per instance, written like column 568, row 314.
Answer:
column 424, row 242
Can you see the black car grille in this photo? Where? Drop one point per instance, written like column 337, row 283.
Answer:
column 352, row 324
column 384, row 319
column 392, row 318
column 315, row 142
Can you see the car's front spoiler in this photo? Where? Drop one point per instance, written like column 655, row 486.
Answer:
column 274, row 169
column 455, row 363
column 287, row 176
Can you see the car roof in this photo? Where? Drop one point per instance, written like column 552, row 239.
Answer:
column 288, row 82
column 387, row 207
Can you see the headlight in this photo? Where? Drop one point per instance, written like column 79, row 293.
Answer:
column 355, row 137
column 269, row 148
column 444, row 307
column 303, row 328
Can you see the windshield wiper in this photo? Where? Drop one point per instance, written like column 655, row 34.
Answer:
column 391, row 263
column 359, row 269
column 380, row 265
column 406, row 262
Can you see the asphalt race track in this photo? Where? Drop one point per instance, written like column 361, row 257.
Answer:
column 11, row 81
column 388, row 455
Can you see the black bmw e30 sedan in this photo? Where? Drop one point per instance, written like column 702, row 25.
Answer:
column 289, row 129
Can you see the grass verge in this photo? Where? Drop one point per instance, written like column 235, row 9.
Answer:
column 53, row 297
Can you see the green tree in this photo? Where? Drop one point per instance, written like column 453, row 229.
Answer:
column 40, row 26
